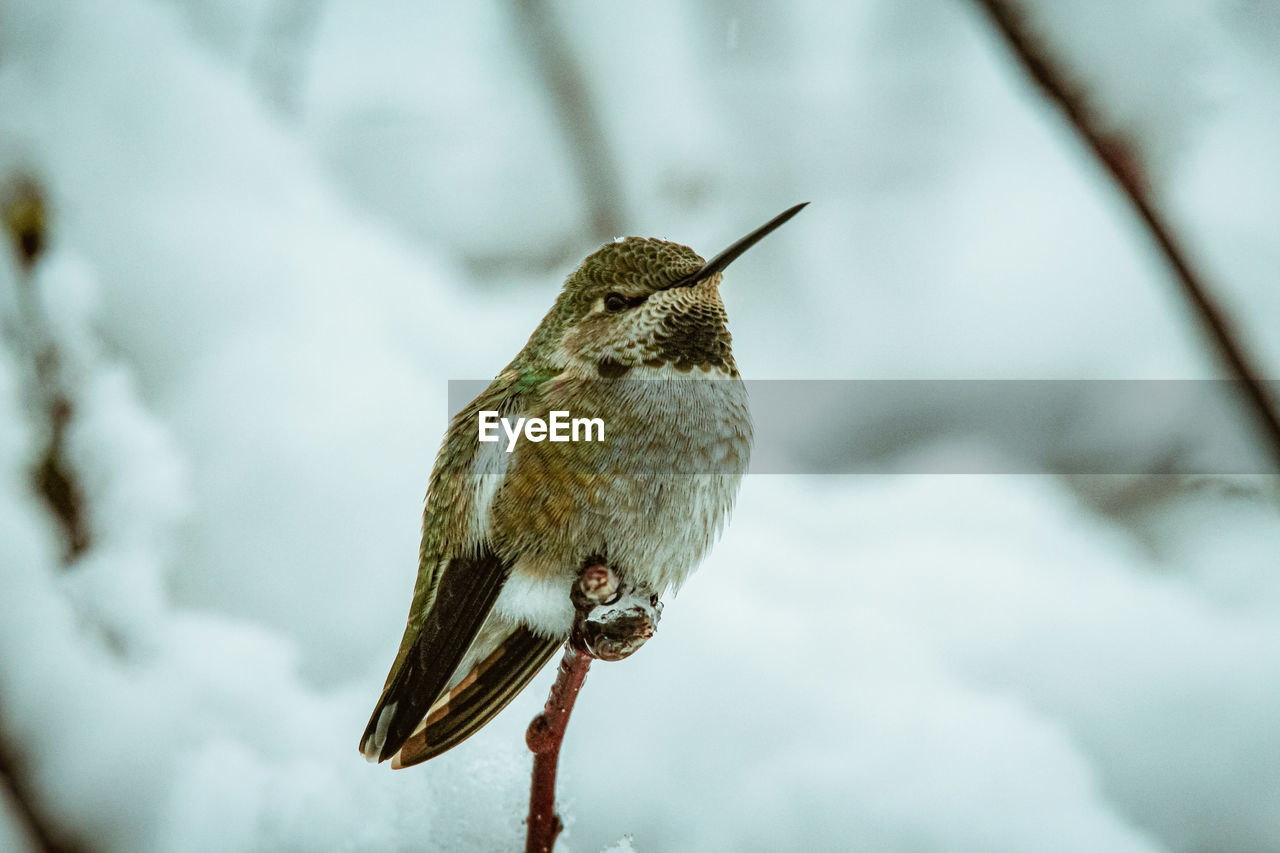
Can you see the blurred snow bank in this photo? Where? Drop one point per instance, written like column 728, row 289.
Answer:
column 259, row 311
column 973, row 663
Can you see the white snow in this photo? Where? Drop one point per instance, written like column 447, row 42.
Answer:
column 259, row 296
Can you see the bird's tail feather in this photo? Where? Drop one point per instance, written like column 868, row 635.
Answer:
column 464, row 596
column 477, row 699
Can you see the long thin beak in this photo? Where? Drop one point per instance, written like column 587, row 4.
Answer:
column 729, row 255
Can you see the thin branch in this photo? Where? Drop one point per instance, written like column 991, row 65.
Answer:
column 1125, row 167
column 544, row 737
column 611, row 623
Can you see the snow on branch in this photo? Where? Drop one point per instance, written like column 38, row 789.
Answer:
column 25, row 216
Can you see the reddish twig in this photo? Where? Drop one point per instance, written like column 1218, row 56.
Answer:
column 611, row 623
column 544, row 737
column 1124, row 166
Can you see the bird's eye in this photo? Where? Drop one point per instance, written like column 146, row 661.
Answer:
column 615, row 302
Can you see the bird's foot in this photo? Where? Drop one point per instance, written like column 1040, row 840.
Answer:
column 613, row 620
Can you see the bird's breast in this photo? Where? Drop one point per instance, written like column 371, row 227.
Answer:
column 649, row 497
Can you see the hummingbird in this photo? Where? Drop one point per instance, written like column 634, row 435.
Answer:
column 638, row 338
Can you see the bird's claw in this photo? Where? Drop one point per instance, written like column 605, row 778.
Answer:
column 613, row 621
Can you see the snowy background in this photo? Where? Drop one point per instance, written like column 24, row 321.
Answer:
column 278, row 227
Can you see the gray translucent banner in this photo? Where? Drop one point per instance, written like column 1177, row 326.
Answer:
column 965, row 426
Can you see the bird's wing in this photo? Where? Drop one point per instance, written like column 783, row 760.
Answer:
column 459, row 578
column 487, row 689
column 463, row 597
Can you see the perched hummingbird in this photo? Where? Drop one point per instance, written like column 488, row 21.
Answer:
column 637, row 338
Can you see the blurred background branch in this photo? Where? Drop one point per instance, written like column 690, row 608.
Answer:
column 1120, row 158
column 25, row 215
column 579, row 122
column 280, row 60
column 37, row 825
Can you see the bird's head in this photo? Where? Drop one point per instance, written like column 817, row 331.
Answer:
column 644, row 307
